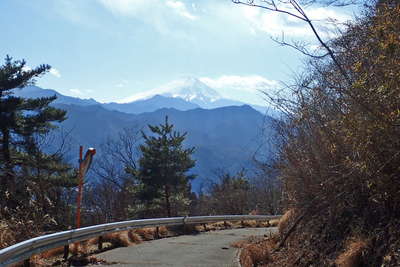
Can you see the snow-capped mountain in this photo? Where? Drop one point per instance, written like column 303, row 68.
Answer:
column 189, row 89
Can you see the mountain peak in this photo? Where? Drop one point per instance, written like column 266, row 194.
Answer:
column 190, row 89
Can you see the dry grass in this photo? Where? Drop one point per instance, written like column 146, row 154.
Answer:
column 79, row 248
column 119, row 239
column 146, row 233
column 255, row 251
column 254, row 255
column 250, row 224
column 163, row 231
column 52, row 252
column 274, row 223
column 351, row 257
column 220, row 225
column 7, row 237
column 285, row 221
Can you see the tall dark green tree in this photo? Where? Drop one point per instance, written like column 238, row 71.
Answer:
column 164, row 165
column 27, row 174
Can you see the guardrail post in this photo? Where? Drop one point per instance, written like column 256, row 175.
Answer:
column 184, row 225
column 205, row 226
column 225, row 225
column 27, row 262
column 100, row 243
column 157, row 232
column 66, row 252
column 242, row 222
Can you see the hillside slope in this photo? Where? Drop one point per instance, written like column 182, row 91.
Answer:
column 225, row 138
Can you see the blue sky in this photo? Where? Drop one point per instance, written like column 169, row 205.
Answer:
column 111, row 49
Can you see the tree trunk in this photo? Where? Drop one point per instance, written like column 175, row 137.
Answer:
column 167, row 203
column 6, row 146
column 8, row 182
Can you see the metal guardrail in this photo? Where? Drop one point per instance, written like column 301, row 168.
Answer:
column 26, row 249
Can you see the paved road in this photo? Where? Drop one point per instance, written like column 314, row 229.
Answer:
column 203, row 250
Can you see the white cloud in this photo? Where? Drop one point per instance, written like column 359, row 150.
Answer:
column 55, row 72
column 248, row 89
column 153, row 12
column 253, row 83
column 180, row 9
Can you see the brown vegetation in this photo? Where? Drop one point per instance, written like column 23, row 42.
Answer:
column 273, row 223
column 352, row 256
column 339, row 149
column 285, row 221
column 256, row 251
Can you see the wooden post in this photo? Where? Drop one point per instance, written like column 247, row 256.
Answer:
column 100, row 244
column 80, row 185
column 66, row 252
column 157, row 232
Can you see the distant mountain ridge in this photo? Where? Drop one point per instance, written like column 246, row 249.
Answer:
column 225, row 138
column 151, row 104
column 35, row 92
column 190, row 94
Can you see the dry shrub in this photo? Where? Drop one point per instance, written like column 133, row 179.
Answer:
column 163, row 231
column 236, row 224
column 134, row 238
column 80, row 248
column 253, row 252
column 7, row 236
column 352, row 255
column 93, row 241
column 120, row 239
column 250, row 223
column 83, row 261
column 200, row 228
column 274, row 223
column 52, row 252
column 146, row 233
column 285, row 221
column 218, row 225
column 192, row 229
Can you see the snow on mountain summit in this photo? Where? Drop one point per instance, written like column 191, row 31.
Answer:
column 189, row 89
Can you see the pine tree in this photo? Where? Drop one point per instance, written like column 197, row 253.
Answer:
column 163, row 166
column 27, row 175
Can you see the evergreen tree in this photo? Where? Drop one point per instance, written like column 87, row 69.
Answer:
column 30, row 180
column 163, row 166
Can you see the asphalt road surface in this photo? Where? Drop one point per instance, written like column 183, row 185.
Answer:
column 201, row 250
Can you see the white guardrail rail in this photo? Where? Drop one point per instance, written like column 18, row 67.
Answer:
column 24, row 250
